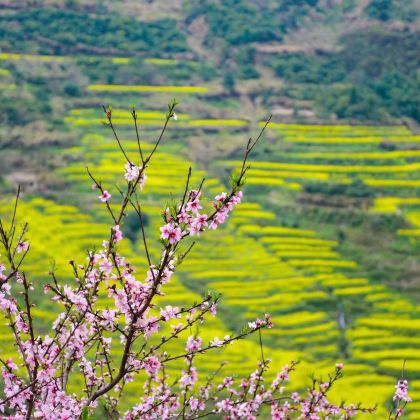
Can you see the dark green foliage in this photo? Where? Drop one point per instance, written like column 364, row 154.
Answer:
column 358, row 103
column 380, row 9
column 245, row 62
column 240, row 22
column 373, row 77
column 322, row 68
column 72, row 89
column 20, row 109
column 237, row 22
column 386, row 10
column 400, row 94
column 376, row 52
column 356, row 189
column 59, row 31
column 229, row 82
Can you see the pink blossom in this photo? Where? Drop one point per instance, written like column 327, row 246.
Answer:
column 7, row 304
column 171, row 232
column 131, row 171
column 399, row 412
column 150, row 326
column 227, row 339
column 76, row 298
column 252, row 325
column 151, row 365
column 22, row 326
column 116, row 233
column 11, row 364
column 22, row 247
column 197, row 224
column 177, row 327
column 351, row 410
column 2, row 269
column 258, row 323
column 79, row 301
column 170, row 312
column 183, row 217
column 19, row 278
column 105, row 196
column 219, row 218
column 225, row 405
column 196, row 404
column 401, row 391
column 193, row 344
column 228, row 381
column 295, row 397
column 282, row 376
column 6, row 288
column 109, row 316
column 268, row 322
column 142, row 180
column 237, row 198
column 194, row 194
column 324, row 386
column 216, row 342
column 106, row 266
column 194, row 206
column 194, row 230
column 189, row 378
column 221, row 197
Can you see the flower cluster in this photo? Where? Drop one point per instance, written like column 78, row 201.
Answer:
column 188, row 221
column 2, row 270
column 135, row 173
column 401, row 397
column 401, row 391
column 236, row 398
column 224, row 205
column 258, row 323
column 45, row 396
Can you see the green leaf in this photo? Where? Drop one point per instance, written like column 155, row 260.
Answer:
column 85, row 414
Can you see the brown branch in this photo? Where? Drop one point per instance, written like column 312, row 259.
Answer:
column 108, row 115
column 135, row 116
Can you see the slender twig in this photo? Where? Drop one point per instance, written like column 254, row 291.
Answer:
column 99, row 186
column 261, row 346
column 181, row 207
column 169, row 115
column 137, row 209
column 250, row 146
column 135, row 116
column 108, row 115
column 203, row 350
column 12, row 224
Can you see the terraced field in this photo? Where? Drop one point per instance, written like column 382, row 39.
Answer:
column 324, row 306
column 388, row 163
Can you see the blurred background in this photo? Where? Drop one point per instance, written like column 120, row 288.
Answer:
column 327, row 240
